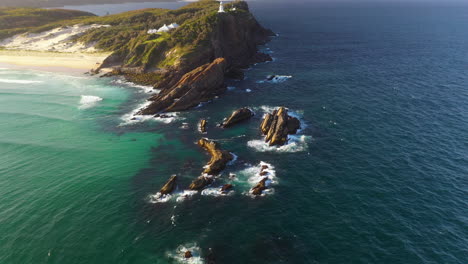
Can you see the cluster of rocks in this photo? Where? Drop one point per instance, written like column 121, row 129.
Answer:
column 276, row 127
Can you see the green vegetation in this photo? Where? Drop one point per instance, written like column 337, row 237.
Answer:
column 127, row 35
column 18, row 20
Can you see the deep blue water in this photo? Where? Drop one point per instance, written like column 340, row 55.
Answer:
column 379, row 174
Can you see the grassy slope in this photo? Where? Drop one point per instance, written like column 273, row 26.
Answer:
column 18, row 20
column 56, row 3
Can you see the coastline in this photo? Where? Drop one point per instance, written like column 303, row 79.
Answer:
column 52, row 61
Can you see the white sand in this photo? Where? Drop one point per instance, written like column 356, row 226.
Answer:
column 52, row 61
column 55, row 40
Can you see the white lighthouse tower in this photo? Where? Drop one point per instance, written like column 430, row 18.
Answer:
column 221, row 7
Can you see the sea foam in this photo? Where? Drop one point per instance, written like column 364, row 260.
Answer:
column 277, row 79
column 250, row 177
column 179, row 254
column 19, row 81
column 143, row 88
column 296, row 143
column 133, row 118
column 88, row 101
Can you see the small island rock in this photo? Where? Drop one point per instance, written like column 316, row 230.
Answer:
column 188, row 254
column 203, row 126
column 237, row 117
column 169, row 186
column 219, row 157
column 278, row 125
column 260, row 187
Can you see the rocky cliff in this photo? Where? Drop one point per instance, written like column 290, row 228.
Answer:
column 189, row 65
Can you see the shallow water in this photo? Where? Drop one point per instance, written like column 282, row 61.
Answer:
column 381, row 176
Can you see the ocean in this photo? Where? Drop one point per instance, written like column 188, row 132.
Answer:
column 378, row 173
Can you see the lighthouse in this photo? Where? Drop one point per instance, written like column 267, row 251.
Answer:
column 221, row 7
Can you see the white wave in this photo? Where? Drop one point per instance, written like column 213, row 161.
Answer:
column 248, row 90
column 251, row 176
column 186, row 194
column 88, row 101
column 276, row 78
column 144, row 88
column 132, row 117
column 178, row 196
column 160, row 198
column 296, row 143
column 19, row 81
column 213, row 191
column 179, row 254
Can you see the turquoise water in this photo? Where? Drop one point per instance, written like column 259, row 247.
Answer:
column 377, row 175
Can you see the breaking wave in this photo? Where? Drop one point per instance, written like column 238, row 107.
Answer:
column 276, row 79
column 296, row 143
column 88, row 101
column 250, row 177
column 179, row 254
column 143, row 88
column 19, row 81
column 133, row 118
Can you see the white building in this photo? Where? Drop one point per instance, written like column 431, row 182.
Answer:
column 164, row 28
column 221, row 7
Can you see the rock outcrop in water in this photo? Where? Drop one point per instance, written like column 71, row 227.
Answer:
column 202, row 125
column 169, row 186
column 226, row 188
column 199, row 85
column 201, row 182
column 219, row 158
column 260, row 187
column 188, row 254
column 237, row 117
column 278, row 125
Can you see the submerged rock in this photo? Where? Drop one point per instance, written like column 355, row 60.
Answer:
column 169, row 186
column 237, row 117
column 203, row 126
column 200, row 183
column 219, row 157
column 278, row 125
column 188, row 254
column 226, row 188
column 260, row 187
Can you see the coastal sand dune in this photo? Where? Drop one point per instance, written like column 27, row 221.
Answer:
column 53, row 49
column 56, row 40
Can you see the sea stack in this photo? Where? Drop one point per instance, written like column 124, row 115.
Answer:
column 202, row 125
column 278, row 125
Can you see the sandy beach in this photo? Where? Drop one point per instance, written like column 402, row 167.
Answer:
column 52, row 61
